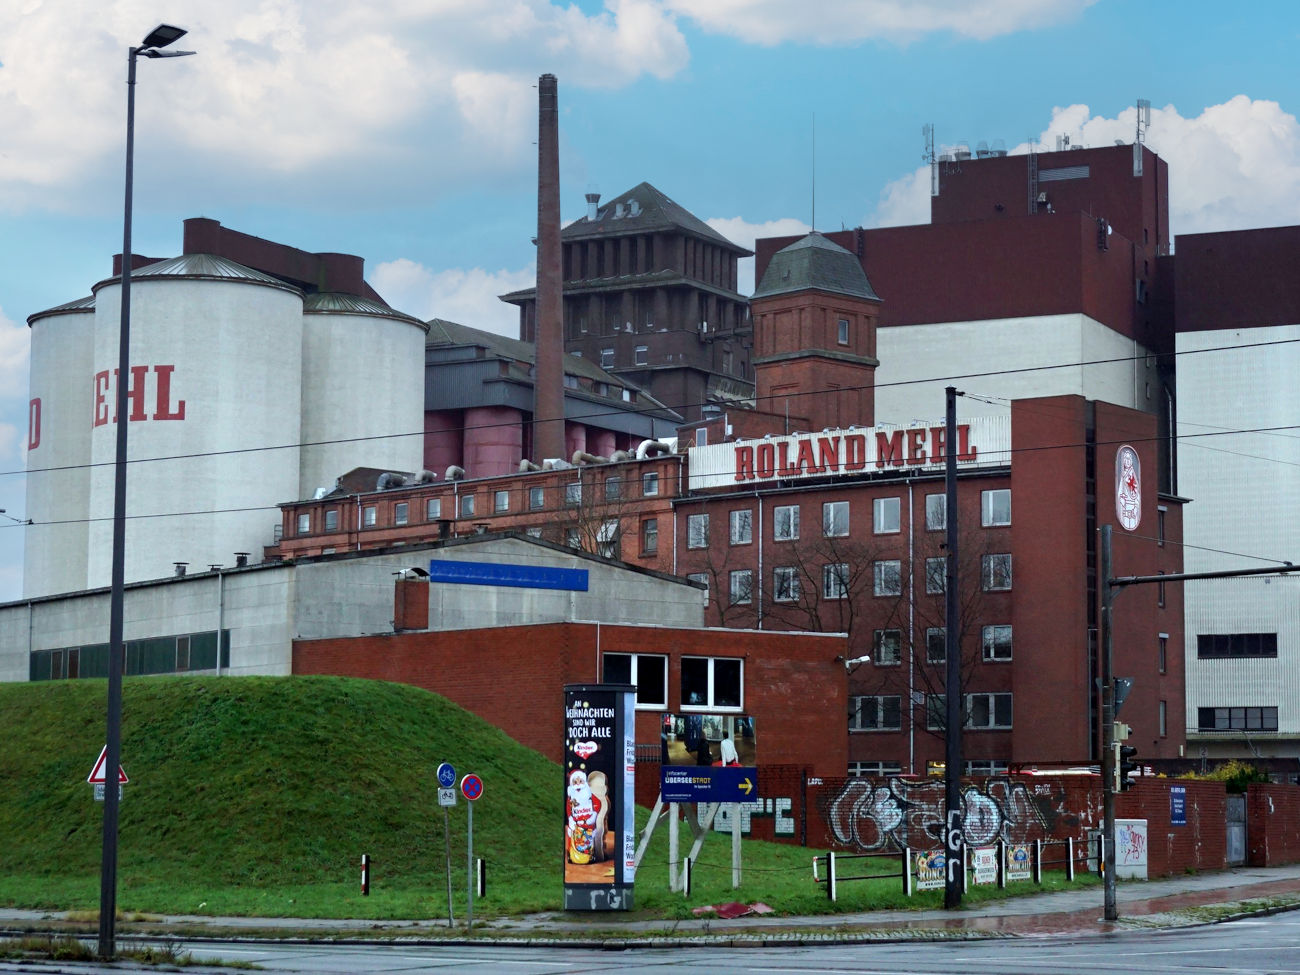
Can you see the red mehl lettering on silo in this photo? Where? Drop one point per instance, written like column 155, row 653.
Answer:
column 136, row 392
column 889, row 449
column 34, row 424
column 916, row 447
column 855, row 452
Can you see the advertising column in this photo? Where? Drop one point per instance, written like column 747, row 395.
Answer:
column 599, row 798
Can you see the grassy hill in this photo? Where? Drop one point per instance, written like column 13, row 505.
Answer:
column 261, row 794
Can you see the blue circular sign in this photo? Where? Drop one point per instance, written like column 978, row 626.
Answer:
column 471, row 786
column 446, row 775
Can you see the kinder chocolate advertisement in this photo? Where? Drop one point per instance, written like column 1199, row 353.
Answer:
column 599, row 821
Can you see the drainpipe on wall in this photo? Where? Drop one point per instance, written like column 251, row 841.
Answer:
column 760, row 559
column 356, row 525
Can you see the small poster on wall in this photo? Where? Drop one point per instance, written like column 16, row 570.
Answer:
column 599, row 796
column 1128, row 487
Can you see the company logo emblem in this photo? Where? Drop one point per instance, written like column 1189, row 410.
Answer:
column 585, row 749
column 1128, row 487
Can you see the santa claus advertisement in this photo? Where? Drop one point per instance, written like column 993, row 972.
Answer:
column 599, row 830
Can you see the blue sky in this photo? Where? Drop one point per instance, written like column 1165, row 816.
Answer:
column 403, row 130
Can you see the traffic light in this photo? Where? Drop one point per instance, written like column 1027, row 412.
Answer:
column 1127, row 763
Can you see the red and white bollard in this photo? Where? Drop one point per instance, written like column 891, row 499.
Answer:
column 365, row 875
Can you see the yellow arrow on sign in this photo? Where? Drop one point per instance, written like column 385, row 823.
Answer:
column 746, row 786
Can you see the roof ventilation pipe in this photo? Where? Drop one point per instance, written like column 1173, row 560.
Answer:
column 651, row 448
column 526, row 466
column 241, row 560
column 389, row 480
column 593, row 206
column 455, row 473
column 582, row 457
column 180, row 568
column 424, row 477
column 618, row 456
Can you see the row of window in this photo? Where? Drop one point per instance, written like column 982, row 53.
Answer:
column 884, row 712
column 155, row 655
column 1236, row 719
column 713, row 683
column 1222, row 646
column 886, row 518
column 887, row 579
column 613, row 488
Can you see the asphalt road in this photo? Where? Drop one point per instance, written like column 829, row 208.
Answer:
column 1254, row 945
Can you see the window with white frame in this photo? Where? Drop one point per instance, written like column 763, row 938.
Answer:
column 650, row 484
column 888, row 647
column 369, row 516
column 936, row 711
column 649, row 536
column 997, row 642
column 701, row 577
column 641, row 355
column 648, row 671
column 995, row 571
column 936, row 644
column 875, row 769
column 701, row 436
column 697, row 531
column 742, row 586
column 842, row 331
column 466, row 505
column 785, row 584
column 534, row 532
column 876, row 712
column 986, row 766
column 613, row 488
column 785, row 522
column 885, row 516
column 536, row 498
column 573, row 492
column 1162, row 722
column 995, row 507
column 835, row 519
column 988, row 711
column 936, row 512
column 887, row 578
column 742, row 527
column 573, row 538
column 835, row 580
column 500, row 501
column 331, row 519
column 401, row 513
column 608, row 544
column 936, row 575
column 432, row 509
column 304, row 523
column 713, row 682
column 606, row 358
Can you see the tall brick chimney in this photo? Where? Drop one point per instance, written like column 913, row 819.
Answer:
column 548, row 377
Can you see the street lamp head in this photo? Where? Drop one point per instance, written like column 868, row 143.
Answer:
column 151, row 52
column 164, row 34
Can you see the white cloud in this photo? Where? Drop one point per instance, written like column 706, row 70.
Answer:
column 849, row 21
column 469, row 297
column 1234, row 166
column 418, row 93
column 15, row 348
column 740, row 231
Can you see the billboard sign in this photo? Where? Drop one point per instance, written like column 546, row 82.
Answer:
column 599, row 796
column 708, row 758
column 1128, row 487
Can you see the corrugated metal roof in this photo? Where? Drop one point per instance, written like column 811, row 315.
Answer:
column 67, row 308
column 332, row 302
column 814, row 263
column 202, row 266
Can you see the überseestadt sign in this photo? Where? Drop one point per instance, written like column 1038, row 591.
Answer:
column 981, row 442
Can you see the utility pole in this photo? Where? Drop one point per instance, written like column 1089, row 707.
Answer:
column 1111, row 912
column 954, row 840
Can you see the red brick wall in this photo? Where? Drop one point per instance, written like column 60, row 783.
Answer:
column 1202, row 844
column 1272, row 824
column 514, row 677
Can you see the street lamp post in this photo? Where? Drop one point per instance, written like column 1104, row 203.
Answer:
column 158, row 38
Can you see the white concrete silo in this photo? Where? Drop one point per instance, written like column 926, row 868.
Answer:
column 58, row 448
column 214, row 405
column 362, row 388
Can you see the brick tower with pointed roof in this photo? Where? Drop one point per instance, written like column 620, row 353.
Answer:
column 815, row 317
column 650, row 296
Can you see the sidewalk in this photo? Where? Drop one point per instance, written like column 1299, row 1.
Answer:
column 1160, row 903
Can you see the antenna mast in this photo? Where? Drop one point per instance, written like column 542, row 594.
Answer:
column 927, row 135
column 814, row 170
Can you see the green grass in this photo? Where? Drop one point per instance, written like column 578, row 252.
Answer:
column 257, row 796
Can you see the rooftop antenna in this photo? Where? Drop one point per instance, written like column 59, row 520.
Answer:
column 814, row 171
column 927, row 153
column 1143, row 123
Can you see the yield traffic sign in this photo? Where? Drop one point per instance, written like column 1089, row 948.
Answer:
column 97, row 773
